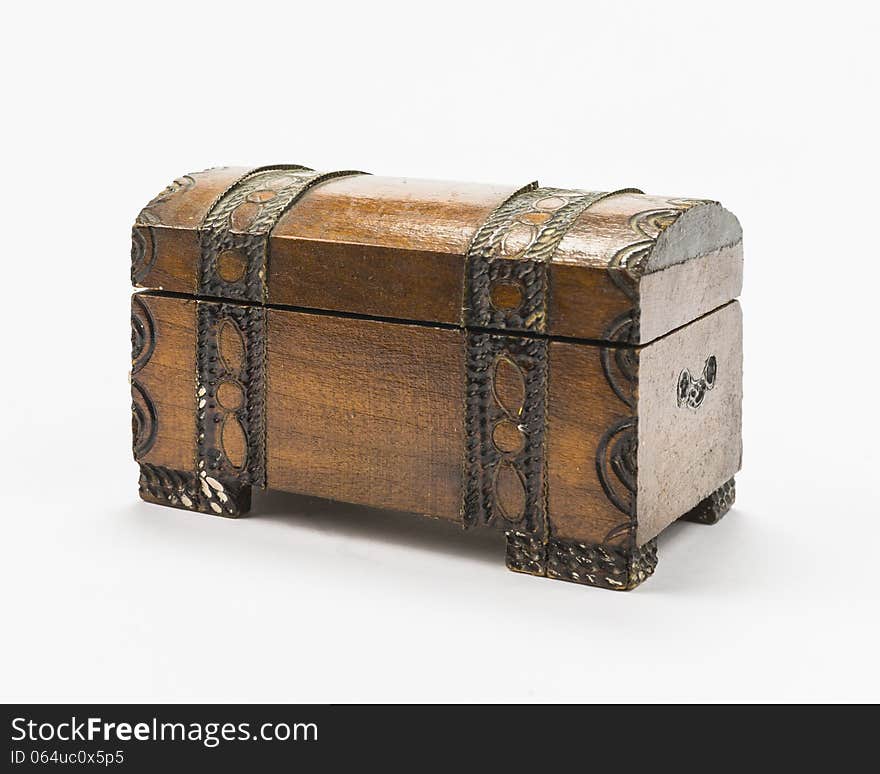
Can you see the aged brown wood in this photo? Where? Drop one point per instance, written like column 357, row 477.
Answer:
column 165, row 234
column 562, row 365
column 367, row 279
column 373, row 235
column 581, row 408
column 683, row 453
column 166, row 407
column 167, row 377
column 686, row 255
column 367, row 412
column 371, row 412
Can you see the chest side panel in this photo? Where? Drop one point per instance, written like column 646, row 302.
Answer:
column 365, row 411
column 690, row 417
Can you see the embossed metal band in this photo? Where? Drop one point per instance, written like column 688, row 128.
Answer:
column 183, row 489
column 609, row 567
column 504, row 422
column 507, row 261
column 231, row 393
column 234, row 234
column 594, row 564
column 506, row 289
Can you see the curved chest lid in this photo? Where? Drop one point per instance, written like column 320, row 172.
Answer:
column 621, row 266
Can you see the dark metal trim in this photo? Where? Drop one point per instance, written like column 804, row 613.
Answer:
column 182, row 489
column 239, row 223
column 513, row 248
column 610, row 567
column 506, row 390
column 231, row 350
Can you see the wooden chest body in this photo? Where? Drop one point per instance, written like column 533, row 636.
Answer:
column 561, row 365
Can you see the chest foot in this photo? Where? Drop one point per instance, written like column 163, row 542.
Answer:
column 714, row 507
column 193, row 492
column 604, row 566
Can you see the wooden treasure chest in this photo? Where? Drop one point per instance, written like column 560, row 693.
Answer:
column 562, row 365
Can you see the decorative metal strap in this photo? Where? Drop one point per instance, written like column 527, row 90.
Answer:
column 506, row 264
column 231, row 393
column 504, row 422
column 506, row 289
column 234, row 235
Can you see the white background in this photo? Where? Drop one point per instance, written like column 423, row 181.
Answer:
column 769, row 108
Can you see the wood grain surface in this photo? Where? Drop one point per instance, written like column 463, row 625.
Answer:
column 372, row 412
column 365, row 350
column 169, row 224
column 366, row 412
column 581, row 408
column 395, row 248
